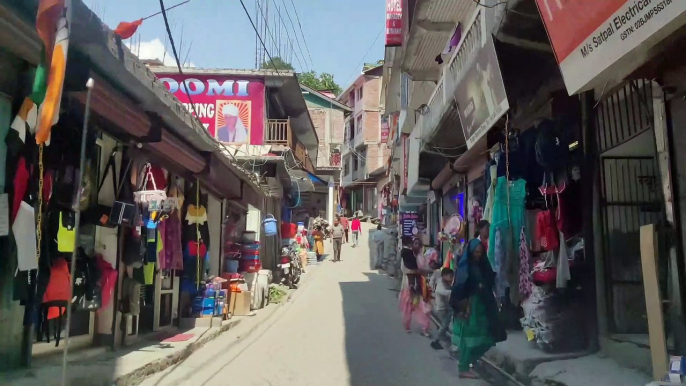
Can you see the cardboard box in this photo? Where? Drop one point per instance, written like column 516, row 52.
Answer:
column 239, row 303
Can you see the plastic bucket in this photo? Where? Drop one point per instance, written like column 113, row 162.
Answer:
column 270, row 226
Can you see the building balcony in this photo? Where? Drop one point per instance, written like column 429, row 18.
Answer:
column 278, row 132
column 439, row 129
column 433, row 24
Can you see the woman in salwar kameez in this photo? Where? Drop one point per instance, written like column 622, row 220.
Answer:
column 477, row 327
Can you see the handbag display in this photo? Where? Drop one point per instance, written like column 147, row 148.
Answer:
column 123, row 212
column 547, row 231
column 99, row 214
column 153, row 199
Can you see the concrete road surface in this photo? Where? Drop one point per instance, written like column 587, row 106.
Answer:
column 342, row 328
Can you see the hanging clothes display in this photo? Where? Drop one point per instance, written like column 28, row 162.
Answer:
column 508, row 219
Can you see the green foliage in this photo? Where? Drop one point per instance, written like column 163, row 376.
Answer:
column 323, row 81
column 277, row 63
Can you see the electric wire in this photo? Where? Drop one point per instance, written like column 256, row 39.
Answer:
column 297, row 17
column 365, row 55
column 288, row 35
column 297, row 40
column 264, row 17
column 259, row 37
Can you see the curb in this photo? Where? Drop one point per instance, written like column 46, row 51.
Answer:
column 495, row 374
column 159, row 365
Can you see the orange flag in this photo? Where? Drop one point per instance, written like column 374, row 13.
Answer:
column 126, row 29
column 52, row 23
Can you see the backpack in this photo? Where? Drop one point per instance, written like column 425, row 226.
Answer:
column 552, row 150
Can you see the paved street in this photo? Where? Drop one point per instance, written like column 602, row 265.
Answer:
column 341, row 329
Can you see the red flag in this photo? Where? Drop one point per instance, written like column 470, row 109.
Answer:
column 126, row 29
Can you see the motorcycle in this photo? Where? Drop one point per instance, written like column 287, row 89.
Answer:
column 289, row 267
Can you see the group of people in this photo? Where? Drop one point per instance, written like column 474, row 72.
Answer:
column 340, row 230
column 463, row 298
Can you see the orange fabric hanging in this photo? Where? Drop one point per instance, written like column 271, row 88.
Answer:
column 126, row 29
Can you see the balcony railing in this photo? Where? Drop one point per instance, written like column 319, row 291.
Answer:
column 278, row 132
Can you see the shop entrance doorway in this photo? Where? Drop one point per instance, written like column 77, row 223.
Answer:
column 630, row 197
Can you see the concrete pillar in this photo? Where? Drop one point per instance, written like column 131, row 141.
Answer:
column 330, row 207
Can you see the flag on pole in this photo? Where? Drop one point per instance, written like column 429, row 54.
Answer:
column 52, row 23
column 126, row 29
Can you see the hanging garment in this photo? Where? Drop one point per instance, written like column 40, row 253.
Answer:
column 525, row 286
column 58, row 286
column 547, row 231
column 173, row 250
column 492, row 181
column 196, row 214
column 504, row 217
column 563, row 274
column 24, row 229
column 499, row 266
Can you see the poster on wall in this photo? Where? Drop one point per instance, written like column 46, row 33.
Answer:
column 231, row 109
column 480, row 95
column 409, row 223
column 590, row 36
column 394, row 23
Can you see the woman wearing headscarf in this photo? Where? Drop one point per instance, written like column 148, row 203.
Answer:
column 414, row 293
column 477, row 327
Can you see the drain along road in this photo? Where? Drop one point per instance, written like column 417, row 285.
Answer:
column 342, row 328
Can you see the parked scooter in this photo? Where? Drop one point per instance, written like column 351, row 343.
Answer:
column 289, row 267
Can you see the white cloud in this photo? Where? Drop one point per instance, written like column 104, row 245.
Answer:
column 155, row 49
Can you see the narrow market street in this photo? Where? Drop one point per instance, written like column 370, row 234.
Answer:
column 342, row 328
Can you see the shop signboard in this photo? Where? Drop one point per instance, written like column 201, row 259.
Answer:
column 385, row 128
column 480, row 95
column 394, row 23
column 406, row 160
column 409, row 223
column 230, row 108
column 595, row 39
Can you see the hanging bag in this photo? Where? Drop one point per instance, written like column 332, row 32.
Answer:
column 99, row 214
column 269, row 225
column 547, row 231
column 153, row 199
column 123, row 211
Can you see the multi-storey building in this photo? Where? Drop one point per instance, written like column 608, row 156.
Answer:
column 364, row 151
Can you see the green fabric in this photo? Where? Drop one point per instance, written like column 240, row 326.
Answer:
column 509, row 218
column 473, row 336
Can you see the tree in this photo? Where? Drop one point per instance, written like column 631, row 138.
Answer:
column 319, row 82
column 277, row 63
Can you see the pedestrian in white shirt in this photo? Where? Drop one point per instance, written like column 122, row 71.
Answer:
column 442, row 305
column 378, row 237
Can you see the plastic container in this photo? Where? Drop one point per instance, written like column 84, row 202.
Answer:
column 270, row 224
column 249, row 237
column 288, row 230
column 251, row 266
column 231, row 266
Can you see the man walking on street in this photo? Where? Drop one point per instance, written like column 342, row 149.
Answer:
column 346, row 226
column 337, row 234
column 378, row 237
column 356, row 227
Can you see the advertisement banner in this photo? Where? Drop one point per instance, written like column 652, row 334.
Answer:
column 231, row 109
column 480, row 95
column 385, row 128
column 394, row 23
column 406, row 160
column 409, row 223
column 588, row 36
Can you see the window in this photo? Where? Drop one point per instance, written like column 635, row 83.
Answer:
column 360, row 93
column 346, row 167
column 355, row 163
column 351, row 129
column 359, row 124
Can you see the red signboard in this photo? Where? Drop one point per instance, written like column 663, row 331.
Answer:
column 595, row 40
column 385, row 129
column 394, row 23
column 231, row 108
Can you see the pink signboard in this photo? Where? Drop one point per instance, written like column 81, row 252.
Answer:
column 394, row 23
column 231, row 108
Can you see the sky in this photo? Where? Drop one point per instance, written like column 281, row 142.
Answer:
column 218, row 34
